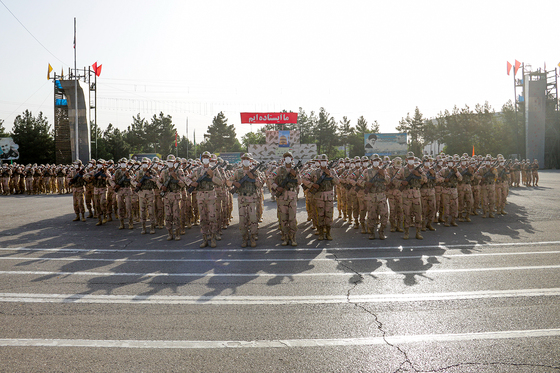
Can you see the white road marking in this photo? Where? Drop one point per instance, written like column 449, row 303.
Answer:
column 472, row 245
column 272, row 300
column 261, row 274
column 330, row 259
column 280, row 343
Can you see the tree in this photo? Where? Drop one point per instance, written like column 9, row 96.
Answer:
column 362, row 126
column 34, row 137
column 324, row 133
column 3, row 132
column 136, row 135
column 221, row 136
column 115, row 143
column 306, row 125
column 414, row 127
column 159, row 134
column 253, row 138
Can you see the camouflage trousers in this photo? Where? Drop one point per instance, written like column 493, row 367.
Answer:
column 377, row 212
column 412, row 207
column 287, row 209
column 428, row 205
column 340, row 199
column 450, row 202
column 516, row 177
column 172, row 207
column 60, row 184
column 78, row 200
column 89, row 196
column 248, row 214
column 29, row 185
column 354, row 205
column 488, row 193
column 159, row 210
column 221, row 208
column 465, row 194
column 124, row 202
column 100, row 201
column 395, row 206
column 501, row 195
column 207, row 210
column 324, row 205
column 363, row 205
column 439, row 200
column 476, row 196
column 111, row 200
column 6, row 185
column 147, row 205
column 47, row 184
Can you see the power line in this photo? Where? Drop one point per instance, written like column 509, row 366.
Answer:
column 32, row 34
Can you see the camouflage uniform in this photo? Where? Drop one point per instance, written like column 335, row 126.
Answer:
column 172, row 200
column 124, row 195
column 412, row 202
column 450, row 178
column 247, row 202
column 99, row 180
column 487, row 175
column 428, row 194
column 78, row 194
column 465, row 192
column 146, row 197
column 287, row 203
column 394, row 195
column 377, row 212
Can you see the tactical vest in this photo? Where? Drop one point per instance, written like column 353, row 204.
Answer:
column 172, row 184
column 430, row 183
column 379, row 182
column 327, row 184
column 148, row 184
column 80, row 182
column 119, row 174
column 467, row 178
column 248, row 188
column 451, row 179
column 292, row 181
column 100, row 182
column 415, row 181
column 487, row 176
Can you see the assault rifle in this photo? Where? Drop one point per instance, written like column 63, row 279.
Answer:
column 123, row 178
column 143, row 179
column 79, row 174
column 246, row 177
column 375, row 178
column 288, row 178
column 410, row 176
column 201, row 178
column 502, row 172
column 324, row 175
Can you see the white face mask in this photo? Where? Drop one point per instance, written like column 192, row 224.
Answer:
column 487, row 163
column 427, row 164
column 449, row 164
column 288, row 160
column 99, row 166
column 323, row 163
column 502, row 163
column 170, row 164
column 352, row 165
column 212, row 164
column 123, row 165
column 411, row 161
column 144, row 165
column 317, row 164
column 159, row 167
column 246, row 163
column 375, row 164
column 205, row 161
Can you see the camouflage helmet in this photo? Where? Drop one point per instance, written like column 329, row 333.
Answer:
column 357, row 159
column 145, row 160
column 347, row 159
column 214, row 157
column 246, row 156
column 456, row 158
column 365, row 159
column 123, row 160
column 92, row 161
column 206, row 154
column 111, row 162
column 323, row 157
column 409, row 155
column 101, row 161
column 220, row 159
column 386, row 158
column 288, row 154
column 170, row 158
column 465, row 155
column 155, row 159
column 375, row 157
column 77, row 161
column 426, row 158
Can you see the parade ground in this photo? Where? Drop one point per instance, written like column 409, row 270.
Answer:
column 480, row 297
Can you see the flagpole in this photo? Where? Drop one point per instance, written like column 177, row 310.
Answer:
column 187, row 137
column 76, row 95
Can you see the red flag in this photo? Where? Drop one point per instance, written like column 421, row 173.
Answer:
column 517, row 66
column 96, row 69
column 175, row 138
column 473, row 145
column 509, row 65
column 99, row 70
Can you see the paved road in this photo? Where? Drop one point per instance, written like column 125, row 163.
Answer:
column 482, row 297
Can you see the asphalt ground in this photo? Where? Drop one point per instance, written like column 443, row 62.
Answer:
column 481, row 297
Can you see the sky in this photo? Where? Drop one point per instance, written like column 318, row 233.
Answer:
column 193, row 59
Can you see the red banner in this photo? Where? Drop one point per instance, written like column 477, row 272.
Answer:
column 269, row 118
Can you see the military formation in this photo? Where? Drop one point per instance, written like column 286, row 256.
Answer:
column 371, row 193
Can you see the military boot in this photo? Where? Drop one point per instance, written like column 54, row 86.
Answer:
column 213, row 241
column 244, row 241
column 474, row 212
column 381, row 233
column 77, row 218
column 424, row 224
column 253, row 242
column 130, row 224
column 356, row 224
column 484, row 215
column 110, row 217
column 284, row 240
column 503, row 212
column 453, row 223
column 491, row 215
column 169, row 235
column 90, row 215
column 398, row 227
column 177, row 234
column 418, row 235
column 372, row 234
column 122, row 224
column 461, row 218
column 316, row 230
column 204, row 241
column 293, row 239
column 440, row 219
column 104, row 218
column 219, row 236
column 405, row 237
column 189, row 224
column 83, row 216
column 468, row 218
column 320, row 232
column 143, row 228
column 393, row 228
column 99, row 220
column 328, row 235
column 430, row 226
column 364, row 230
column 152, row 228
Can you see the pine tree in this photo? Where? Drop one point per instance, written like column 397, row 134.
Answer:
column 34, row 137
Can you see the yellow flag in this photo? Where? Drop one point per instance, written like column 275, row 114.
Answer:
column 49, row 73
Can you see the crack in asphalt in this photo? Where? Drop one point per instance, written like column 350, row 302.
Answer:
column 407, row 364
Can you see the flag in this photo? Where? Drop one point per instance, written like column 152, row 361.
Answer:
column 175, row 138
column 509, row 65
column 49, row 73
column 96, row 69
column 62, row 73
column 517, row 65
column 473, row 147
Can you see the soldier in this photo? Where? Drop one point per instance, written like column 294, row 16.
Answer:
column 158, row 199
column 121, row 182
column 535, row 172
column 77, row 182
column 351, row 179
column 99, row 180
column 285, row 181
column 89, row 187
column 171, row 181
column 323, row 180
column 111, row 195
column 146, row 184
column 411, row 178
column 428, row 194
column 363, row 197
column 464, row 189
column 501, row 185
column 6, row 174
column 450, row 176
column 246, row 181
column 374, row 180
column 204, row 180
column 487, row 176
column 394, row 195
